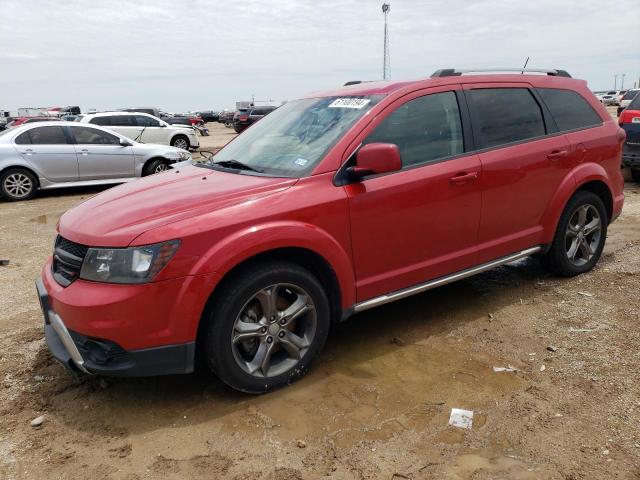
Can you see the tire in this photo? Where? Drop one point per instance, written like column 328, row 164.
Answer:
column 635, row 175
column 576, row 247
column 18, row 184
column 180, row 141
column 158, row 165
column 288, row 342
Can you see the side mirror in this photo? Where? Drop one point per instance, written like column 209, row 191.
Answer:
column 376, row 158
column 125, row 143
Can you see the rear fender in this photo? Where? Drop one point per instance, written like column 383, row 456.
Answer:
column 579, row 176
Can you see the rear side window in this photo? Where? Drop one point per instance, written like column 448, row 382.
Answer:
column 425, row 129
column 123, row 121
column 47, row 136
column 93, row 136
column 630, row 95
column 569, row 109
column 23, row 138
column 103, row 121
column 505, row 115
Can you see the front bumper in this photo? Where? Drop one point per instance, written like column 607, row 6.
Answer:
column 97, row 355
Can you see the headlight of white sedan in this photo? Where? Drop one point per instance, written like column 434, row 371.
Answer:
column 127, row 265
column 184, row 155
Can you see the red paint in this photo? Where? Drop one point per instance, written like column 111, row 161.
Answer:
column 383, row 233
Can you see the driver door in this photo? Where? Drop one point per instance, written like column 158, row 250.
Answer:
column 421, row 222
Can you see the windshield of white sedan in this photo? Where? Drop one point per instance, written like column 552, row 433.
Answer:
column 290, row 141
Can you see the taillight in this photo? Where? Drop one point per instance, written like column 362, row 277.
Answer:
column 629, row 116
column 243, row 118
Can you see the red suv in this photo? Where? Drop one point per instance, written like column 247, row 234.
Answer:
column 331, row 205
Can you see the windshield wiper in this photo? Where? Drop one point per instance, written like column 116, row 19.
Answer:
column 236, row 164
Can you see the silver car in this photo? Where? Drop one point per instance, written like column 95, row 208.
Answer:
column 67, row 154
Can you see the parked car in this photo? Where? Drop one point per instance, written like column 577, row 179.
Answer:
column 226, row 117
column 183, row 119
column 626, row 99
column 629, row 120
column 68, row 154
column 209, row 115
column 331, row 205
column 245, row 119
column 17, row 121
column 145, row 128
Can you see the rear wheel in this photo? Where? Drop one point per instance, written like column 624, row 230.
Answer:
column 580, row 236
column 155, row 166
column 268, row 323
column 180, row 141
column 18, row 184
column 635, row 175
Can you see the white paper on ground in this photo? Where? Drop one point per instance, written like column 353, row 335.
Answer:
column 461, row 418
column 508, row 368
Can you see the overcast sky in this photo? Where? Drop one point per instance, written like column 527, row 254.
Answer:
column 194, row 54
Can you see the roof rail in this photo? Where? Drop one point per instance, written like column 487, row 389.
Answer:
column 454, row 72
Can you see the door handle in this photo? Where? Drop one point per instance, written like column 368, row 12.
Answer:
column 28, row 151
column 84, row 151
column 557, row 154
column 464, row 177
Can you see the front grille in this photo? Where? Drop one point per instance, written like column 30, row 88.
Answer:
column 67, row 260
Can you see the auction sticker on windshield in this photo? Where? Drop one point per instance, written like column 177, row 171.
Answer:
column 349, row 102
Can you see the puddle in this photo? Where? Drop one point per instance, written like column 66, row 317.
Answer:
column 487, row 465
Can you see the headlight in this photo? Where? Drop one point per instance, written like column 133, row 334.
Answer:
column 182, row 155
column 127, row 265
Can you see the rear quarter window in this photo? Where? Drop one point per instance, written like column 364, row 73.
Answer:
column 104, row 121
column 570, row 110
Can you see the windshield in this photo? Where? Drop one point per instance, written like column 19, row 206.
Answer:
column 291, row 140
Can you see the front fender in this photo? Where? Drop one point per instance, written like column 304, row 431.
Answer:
column 225, row 254
column 577, row 177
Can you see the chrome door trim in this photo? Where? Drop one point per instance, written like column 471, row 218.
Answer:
column 423, row 287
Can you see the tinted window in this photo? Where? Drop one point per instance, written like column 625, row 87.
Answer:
column 505, row 115
column 47, row 136
column 424, row 129
column 22, row 139
column 143, row 121
column 630, row 95
column 635, row 103
column 123, row 121
column 104, row 121
column 569, row 109
column 93, row 136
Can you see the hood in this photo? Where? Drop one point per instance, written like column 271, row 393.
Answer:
column 115, row 217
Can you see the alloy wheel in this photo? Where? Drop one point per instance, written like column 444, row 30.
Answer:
column 18, row 185
column 583, row 234
column 161, row 167
column 181, row 143
column 274, row 330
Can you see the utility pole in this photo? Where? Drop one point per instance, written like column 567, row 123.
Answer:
column 386, row 7
column 622, row 83
column 615, row 82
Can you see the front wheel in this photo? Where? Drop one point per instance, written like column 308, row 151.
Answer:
column 180, row 141
column 155, row 166
column 580, row 236
column 268, row 323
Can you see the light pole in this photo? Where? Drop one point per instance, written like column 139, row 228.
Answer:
column 622, row 82
column 615, row 82
column 386, row 7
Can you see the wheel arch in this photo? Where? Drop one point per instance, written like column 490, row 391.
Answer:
column 179, row 134
column 589, row 177
column 22, row 167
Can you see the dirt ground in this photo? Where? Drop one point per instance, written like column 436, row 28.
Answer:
column 377, row 402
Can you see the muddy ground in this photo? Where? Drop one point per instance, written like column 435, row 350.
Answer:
column 377, row 402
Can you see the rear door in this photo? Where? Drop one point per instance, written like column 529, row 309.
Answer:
column 123, row 124
column 100, row 155
column 50, row 151
column 524, row 160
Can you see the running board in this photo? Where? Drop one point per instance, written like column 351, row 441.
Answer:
column 423, row 287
